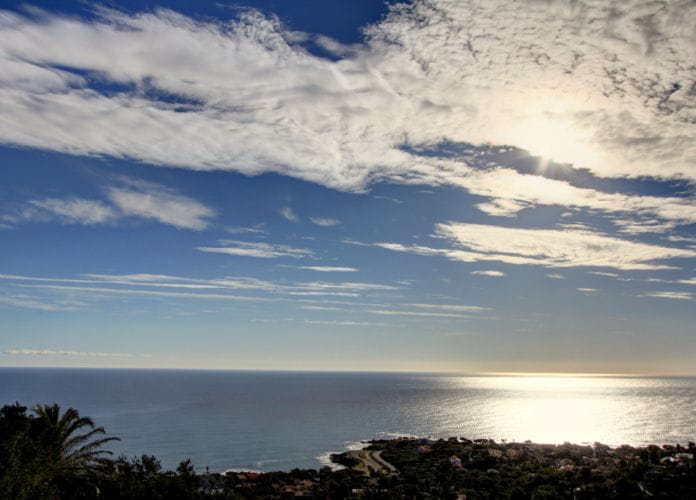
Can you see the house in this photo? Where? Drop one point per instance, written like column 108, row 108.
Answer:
column 455, row 461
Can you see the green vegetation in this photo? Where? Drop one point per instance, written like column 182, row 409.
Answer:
column 48, row 455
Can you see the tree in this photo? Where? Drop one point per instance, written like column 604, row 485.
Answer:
column 72, row 453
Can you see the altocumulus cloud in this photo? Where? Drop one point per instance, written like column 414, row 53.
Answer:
column 601, row 85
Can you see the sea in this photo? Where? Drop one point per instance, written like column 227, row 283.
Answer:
column 265, row 421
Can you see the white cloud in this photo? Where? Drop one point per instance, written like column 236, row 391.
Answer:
column 51, row 352
column 450, row 307
column 66, row 211
column 608, row 87
column 77, row 210
column 357, row 286
column 494, row 274
column 130, row 198
column 671, row 295
column 512, row 191
column 347, row 323
column 602, row 273
column 193, row 286
column 587, row 290
column 544, row 247
column 324, row 221
column 146, row 293
column 258, row 250
column 330, row 269
column 243, row 230
column 29, row 302
column 502, row 207
column 289, row 214
column 424, row 314
column 555, row 276
column 152, row 201
column 320, row 308
column 307, row 296
column 680, row 239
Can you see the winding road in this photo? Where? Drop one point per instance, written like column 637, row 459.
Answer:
column 372, row 462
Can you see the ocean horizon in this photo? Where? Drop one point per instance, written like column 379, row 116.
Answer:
column 280, row 420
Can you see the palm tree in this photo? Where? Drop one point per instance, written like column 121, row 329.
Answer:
column 73, row 454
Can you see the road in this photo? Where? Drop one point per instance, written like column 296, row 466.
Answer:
column 372, row 462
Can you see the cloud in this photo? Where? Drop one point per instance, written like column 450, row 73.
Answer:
column 77, row 210
column 309, row 296
column 494, row 274
column 357, row 286
column 289, row 214
column 544, row 247
column 330, row 269
column 450, row 307
column 133, row 284
column 324, row 221
column 606, row 87
column 502, row 207
column 51, row 352
column 513, row 191
column 671, row 295
column 28, row 302
column 244, row 230
column 156, row 202
column 555, row 276
column 147, row 293
column 347, row 323
column 680, row 239
column 320, row 308
column 130, row 198
column 602, row 273
column 66, row 211
column 258, row 250
column 424, row 314
column 587, row 290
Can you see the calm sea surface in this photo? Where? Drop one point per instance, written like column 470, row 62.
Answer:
column 278, row 421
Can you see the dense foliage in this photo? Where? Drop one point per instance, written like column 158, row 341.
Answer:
column 46, row 454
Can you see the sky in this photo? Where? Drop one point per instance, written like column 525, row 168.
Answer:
column 470, row 186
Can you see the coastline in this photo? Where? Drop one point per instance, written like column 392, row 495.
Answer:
column 461, row 467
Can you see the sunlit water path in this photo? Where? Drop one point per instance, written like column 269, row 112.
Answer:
column 271, row 421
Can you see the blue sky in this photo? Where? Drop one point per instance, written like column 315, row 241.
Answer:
column 445, row 186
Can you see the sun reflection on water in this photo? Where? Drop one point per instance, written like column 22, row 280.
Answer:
column 555, row 409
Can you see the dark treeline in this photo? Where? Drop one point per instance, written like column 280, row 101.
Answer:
column 48, row 454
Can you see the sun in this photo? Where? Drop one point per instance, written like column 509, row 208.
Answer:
column 552, row 127
column 554, row 138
